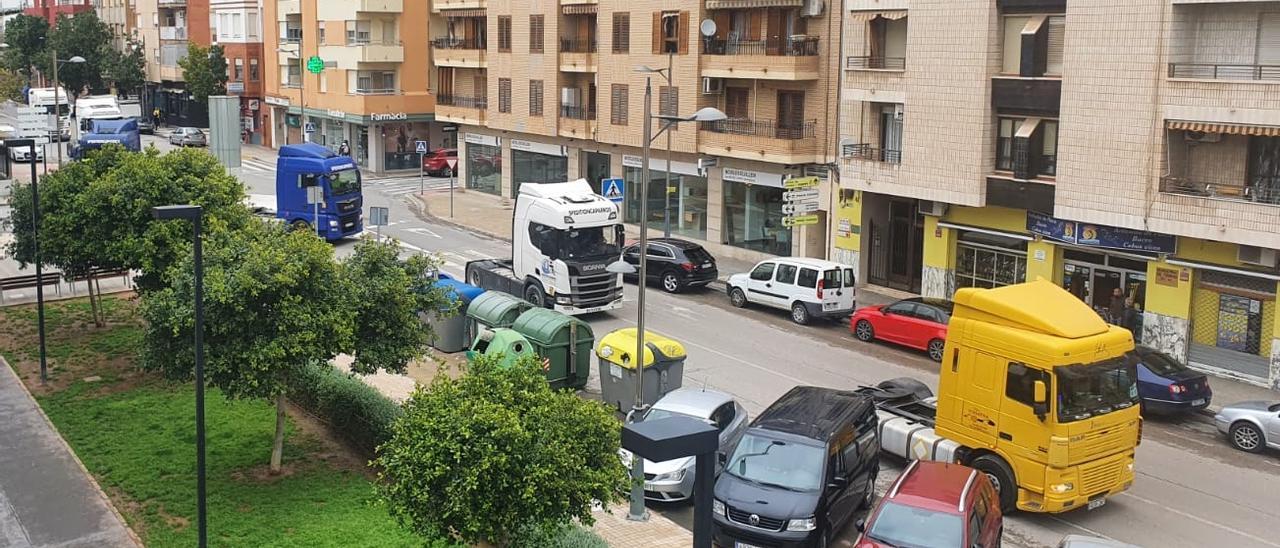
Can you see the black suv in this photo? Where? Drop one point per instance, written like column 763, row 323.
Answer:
column 676, row 264
column 801, row 471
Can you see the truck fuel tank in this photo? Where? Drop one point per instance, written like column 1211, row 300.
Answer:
column 914, row 440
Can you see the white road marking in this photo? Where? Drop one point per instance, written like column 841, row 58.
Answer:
column 1194, row 517
column 739, row 360
column 477, row 254
column 425, row 232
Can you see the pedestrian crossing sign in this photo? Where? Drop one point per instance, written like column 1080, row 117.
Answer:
column 422, row 147
column 613, row 189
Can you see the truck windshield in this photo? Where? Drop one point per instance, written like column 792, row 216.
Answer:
column 1095, row 389
column 344, row 182
column 582, row 243
column 775, row 463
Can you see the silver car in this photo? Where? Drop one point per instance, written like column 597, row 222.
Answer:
column 1081, row 541
column 672, row 480
column 1250, row 425
column 188, row 137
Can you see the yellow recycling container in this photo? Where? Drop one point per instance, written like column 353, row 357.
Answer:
column 663, row 369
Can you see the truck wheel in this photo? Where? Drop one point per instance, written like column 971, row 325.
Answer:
column 300, row 225
column 737, row 298
column 534, row 294
column 1001, row 478
column 473, row 277
column 936, row 349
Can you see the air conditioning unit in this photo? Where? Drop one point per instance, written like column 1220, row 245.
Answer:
column 1202, row 137
column 1259, row 256
column 712, row 86
column 897, row 112
column 931, row 208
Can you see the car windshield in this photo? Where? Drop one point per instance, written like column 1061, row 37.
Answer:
column 582, row 243
column 776, row 463
column 344, row 182
column 1095, row 389
column 1161, row 364
column 656, row 414
column 910, row 527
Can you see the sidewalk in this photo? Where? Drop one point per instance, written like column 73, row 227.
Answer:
column 47, row 499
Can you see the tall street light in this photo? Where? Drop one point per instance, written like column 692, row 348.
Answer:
column 667, row 75
column 708, row 114
column 302, row 91
column 57, row 116
column 194, row 213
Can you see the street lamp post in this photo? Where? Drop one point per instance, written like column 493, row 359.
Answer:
column 668, row 75
column 194, row 213
column 57, row 116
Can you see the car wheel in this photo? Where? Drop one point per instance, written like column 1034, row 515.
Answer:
column 737, row 298
column 936, row 348
column 671, row 282
column 799, row 313
column 1001, row 478
column 534, row 294
column 1246, row 437
column 864, row 331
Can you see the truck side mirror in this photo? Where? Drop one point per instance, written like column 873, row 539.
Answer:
column 1040, row 395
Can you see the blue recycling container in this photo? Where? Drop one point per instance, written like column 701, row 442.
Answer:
column 449, row 333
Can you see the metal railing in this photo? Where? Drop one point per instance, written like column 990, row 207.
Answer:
column 877, row 62
column 375, row 91
column 785, row 129
column 292, row 36
column 793, row 46
column 462, row 101
column 173, row 33
column 1262, row 190
column 864, row 151
column 577, row 45
column 1211, row 71
column 458, row 43
column 370, row 42
column 577, row 112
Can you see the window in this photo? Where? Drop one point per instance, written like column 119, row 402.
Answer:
column 891, row 133
column 252, row 21
column 763, row 272
column 253, row 70
column 723, row 416
column 887, row 43
column 786, row 274
column 535, row 33
column 238, row 75
column 618, row 105
column 808, row 278
column 1052, row 28
column 358, row 32
column 504, row 95
column 671, row 32
column 989, row 267
column 1027, row 146
column 669, row 103
column 621, row 32
column 660, row 251
column 237, row 25
column 1020, row 383
column 543, row 238
column 929, row 313
column 901, row 308
column 535, row 97
column 1012, row 47
column 504, row 33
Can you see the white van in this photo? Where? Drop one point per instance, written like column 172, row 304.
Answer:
column 809, row 288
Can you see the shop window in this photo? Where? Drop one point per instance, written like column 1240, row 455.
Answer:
column 688, row 212
column 504, row 33
column 986, row 266
column 532, row 167
column 535, row 97
column 484, row 168
column 504, row 95
column 622, row 33
column 752, row 218
column 618, row 105
column 536, row 31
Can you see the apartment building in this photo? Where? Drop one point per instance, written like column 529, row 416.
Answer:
column 237, row 27
column 165, row 28
column 1124, row 152
column 373, row 89
column 551, row 91
column 50, row 10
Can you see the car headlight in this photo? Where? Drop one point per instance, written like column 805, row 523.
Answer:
column 333, row 223
column 1061, row 488
column 806, row 524
column 677, row 475
column 717, row 507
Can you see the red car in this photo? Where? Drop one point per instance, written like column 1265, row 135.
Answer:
column 919, row 323
column 437, row 163
column 937, row 505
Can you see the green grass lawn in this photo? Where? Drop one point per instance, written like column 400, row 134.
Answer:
column 136, row 434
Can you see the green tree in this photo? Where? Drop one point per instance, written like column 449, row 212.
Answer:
column 205, row 71
column 11, row 84
column 83, row 35
column 485, row 456
column 26, row 35
column 128, row 67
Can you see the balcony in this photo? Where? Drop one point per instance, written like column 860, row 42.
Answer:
column 1210, row 71
column 868, row 62
column 171, row 3
column 1039, row 95
column 173, row 33
column 1230, row 162
column 868, row 152
column 448, row 5
column 460, row 109
column 350, row 56
column 291, row 36
column 577, row 121
column 287, row 7
column 350, row 10
column 577, row 55
column 459, row 52
column 792, row 58
column 787, row 142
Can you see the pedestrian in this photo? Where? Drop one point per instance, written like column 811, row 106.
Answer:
column 345, row 148
column 1116, row 310
column 155, row 116
column 1133, row 317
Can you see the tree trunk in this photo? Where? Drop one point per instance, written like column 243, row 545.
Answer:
column 93, row 305
column 277, row 448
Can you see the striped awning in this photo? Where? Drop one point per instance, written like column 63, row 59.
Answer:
column 1227, row 129
column 746, row 4
column 869, row 15
column 580, row 9
column 469, row 12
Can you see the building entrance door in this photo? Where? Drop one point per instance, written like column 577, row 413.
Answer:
column 897, row 252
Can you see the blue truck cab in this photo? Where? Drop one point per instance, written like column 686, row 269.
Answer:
column 306, row 165
column 123, row 132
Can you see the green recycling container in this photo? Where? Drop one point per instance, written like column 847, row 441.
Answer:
column 564, row 343
column 507, row 342
column 493, row 309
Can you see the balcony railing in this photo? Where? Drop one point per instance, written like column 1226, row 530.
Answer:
column 1208, row 71
column 173, row 33
column 292, row 36
column 864, row 151
column 877, row 62
column 577, row 112
column 794, row 46
column 366, row 41
column 785, row 129
column 577, row 45
column 458, row 43
column 1263, row 190
column 462, row 101
column 374, row 91
column 293, row 84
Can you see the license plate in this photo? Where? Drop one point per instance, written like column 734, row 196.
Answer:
column 830, row 306
column 1198, row 402
column 744, row 545
column 648, row 486
column 1097, row 503
column 706, row 265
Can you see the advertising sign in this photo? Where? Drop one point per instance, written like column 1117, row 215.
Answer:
column 1094, row 235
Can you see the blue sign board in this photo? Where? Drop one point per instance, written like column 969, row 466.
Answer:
column 421, row 147
column 613, row 189
column 1093, row 235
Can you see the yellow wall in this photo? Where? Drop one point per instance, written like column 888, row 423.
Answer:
column 939, row 245
column 1173, row 301
column 1208, row 251
column 1044, row 260
column 850, row 212
column 998, row 218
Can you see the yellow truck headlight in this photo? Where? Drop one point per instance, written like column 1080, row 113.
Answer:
column 1061, row 488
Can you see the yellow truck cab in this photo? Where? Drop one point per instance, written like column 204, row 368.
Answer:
column 1034, row 392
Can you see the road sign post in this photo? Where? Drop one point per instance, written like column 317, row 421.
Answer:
column 453, row 172
column 800, row 201
column 315, row 195
column 421, row 147
column 613, row 189
column 379, row 216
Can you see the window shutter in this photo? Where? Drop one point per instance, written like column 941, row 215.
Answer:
column 622, row 33
column 504, row 95
column 657, row 32
column 757, row 25
column 618, row 105
column 683, row 33
column 1057, row 44
column 535, row 33
column 535, row 97
column 1269, row 39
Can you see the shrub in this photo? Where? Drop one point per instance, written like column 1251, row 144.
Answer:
column 355, row 410
column 568, row 536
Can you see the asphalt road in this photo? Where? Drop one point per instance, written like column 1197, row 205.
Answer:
column 1192, row 489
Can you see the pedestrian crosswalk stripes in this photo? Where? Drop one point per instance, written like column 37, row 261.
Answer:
column 256, row 165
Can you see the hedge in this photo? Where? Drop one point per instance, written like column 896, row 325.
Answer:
column 568, row 536
column 353, row 409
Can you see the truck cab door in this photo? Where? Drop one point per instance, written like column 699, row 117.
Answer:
column 1022, row 432
column 973, row 406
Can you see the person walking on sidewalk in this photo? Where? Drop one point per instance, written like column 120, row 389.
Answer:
column 155, row 116
column 344, row 149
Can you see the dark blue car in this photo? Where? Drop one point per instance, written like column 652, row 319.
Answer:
column 1166, row 386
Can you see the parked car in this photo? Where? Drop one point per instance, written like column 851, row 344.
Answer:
column 809, row 288
column 673, row 480
column 1081, row 541
column 188, row 137
column 918, row 323
column 23, row 154
column 437, row 163
column 676, row 264
column 146, row 125
column 935, row 504
column 1251, row 425
column 801, row 471
column 1167, row 386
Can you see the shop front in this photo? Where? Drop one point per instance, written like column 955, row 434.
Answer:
column 752, row 215
column 688, row 196
column 399, row 147
column 482, row 162
column 534, row 162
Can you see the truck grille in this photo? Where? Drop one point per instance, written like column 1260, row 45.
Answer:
column 1100, row 477
column 349, row 222
column 348, row 206
column 741, row 516
column 1105, row 442
column 594, row 290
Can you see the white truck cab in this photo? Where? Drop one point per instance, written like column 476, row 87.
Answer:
column 97, row 107
column 52, row 101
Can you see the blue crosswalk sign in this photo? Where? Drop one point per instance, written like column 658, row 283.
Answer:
column 422, row 147
column 613, row 189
